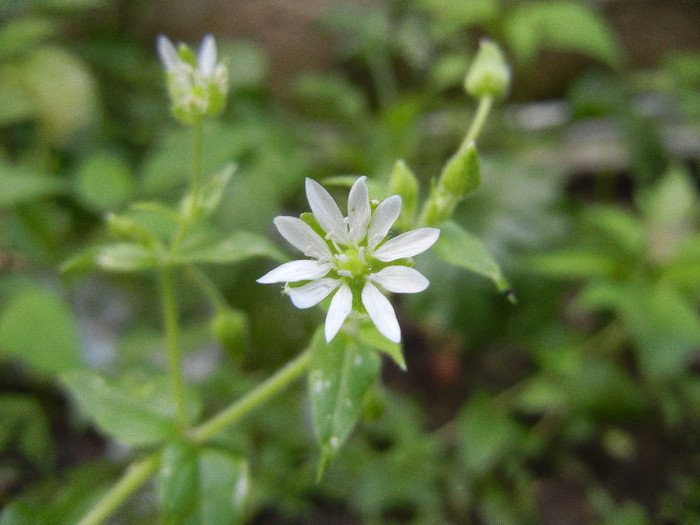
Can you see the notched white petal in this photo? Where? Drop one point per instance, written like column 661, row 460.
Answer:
column 206, row 58
column 381, row 312
column 302, row 237
column 295, row 271
column 312, row 293
column 400, row 279
column 383, row 219
column 338, row 311
column 168, row 54
column 407, row 244
column 359, row 212
column 326, row 211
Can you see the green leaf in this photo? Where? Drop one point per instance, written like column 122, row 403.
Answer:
column 461, row 248
column 340, row 374
column 38, row 326
column 224, row 484
column 239, row 246
column 124, row 257
column 15, row 103
column 22, row 34
column 621, row 227
column 486, row 434
column 213, row 190
column 575, row 263
column 104, row 182
column 178, row 481
column 370, row 335
column 562, row 25
column 136, row 409
column 20, row 184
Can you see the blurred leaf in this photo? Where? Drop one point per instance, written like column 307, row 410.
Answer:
column 574, row 263
column 124, row 257
column 21, row 183
column 69, row 5
column 622, row 228
column 330, row 97
column 239, row 246
column 340, row 375
column 23, row 33
column 104, row 182
column 455, row 15
column 37, row 326
column 486, row 434
column 561, row 25
column 136, row 409
column 672, row 201
column 213, row 190
column 461, row 248
column 26, row 428
column 63, row 91
column 15, row 103
column 248, row 65
column 666, row 327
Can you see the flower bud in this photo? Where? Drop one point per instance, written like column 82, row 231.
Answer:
column 197, row 85
column 403, row 182
column 489, row 74
column 230, row 327
column 461, row 175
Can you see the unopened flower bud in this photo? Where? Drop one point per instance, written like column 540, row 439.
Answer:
column 197, row 85
column 403, row 182
column 230, row 327
column 462, row 175
column 489, row 74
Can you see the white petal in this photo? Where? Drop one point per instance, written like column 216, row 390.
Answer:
column 381, row 312
column 359, row 211
column 302, row 237
column 206, row 58
column 312, row 293
column 295, row 271
column 340, row 308
column 168, row 54
column 383, row 218
column 400, row 279
column 407, row 244
column 326, row 211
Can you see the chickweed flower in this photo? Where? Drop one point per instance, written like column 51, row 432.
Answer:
column 197, row 85
column 351, row 257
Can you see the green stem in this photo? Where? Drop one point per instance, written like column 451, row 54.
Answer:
column 482, row 111
column 135, row 476
column 196, row 161
column 170, row 319
column 254, row 398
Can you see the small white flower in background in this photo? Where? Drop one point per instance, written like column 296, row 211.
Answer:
column 197, row 85
column 351, row 257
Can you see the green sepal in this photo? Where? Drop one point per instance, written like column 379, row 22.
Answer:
column 340, row 375
column 462, row 174
column 370, row 335
column 461, row 248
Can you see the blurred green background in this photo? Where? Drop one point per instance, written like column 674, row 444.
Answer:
column 578, row 405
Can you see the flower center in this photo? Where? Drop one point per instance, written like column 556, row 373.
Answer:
column 351, row 262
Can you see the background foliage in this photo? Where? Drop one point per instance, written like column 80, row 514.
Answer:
column 583, row 400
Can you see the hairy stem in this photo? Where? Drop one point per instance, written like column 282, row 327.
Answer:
column 172, row 334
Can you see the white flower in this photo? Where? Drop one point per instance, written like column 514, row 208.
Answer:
column 197, row 85
column 350, row 256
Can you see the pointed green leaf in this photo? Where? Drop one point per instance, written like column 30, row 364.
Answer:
column 212, row 192
column 138, row 410
column 124, row 257
column 37, row 325
column 461, row 248
column 340, row 374
column 104, row 182
column 239, row 246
